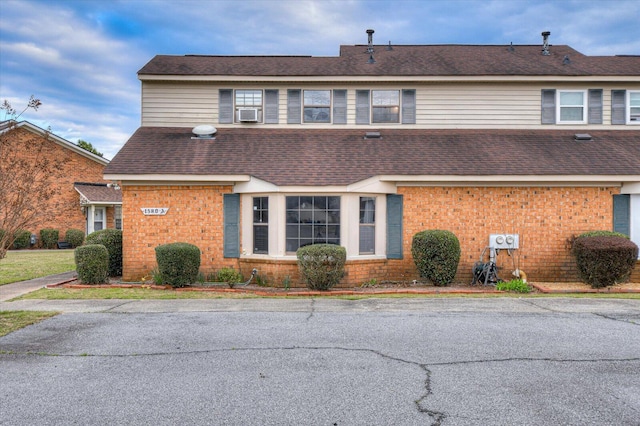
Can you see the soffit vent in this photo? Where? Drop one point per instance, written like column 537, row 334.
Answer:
column 204, row 131
column 582, row 137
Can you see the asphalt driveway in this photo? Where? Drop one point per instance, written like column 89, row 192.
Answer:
column 326, row 362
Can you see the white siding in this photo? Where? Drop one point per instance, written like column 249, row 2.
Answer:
column 438, row 105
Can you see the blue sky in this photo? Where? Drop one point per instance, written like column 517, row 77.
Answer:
column 80, row 57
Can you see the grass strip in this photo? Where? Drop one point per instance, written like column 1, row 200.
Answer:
column 15, row 320
column 21, row 265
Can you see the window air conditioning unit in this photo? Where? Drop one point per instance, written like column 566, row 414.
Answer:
column 248, row 114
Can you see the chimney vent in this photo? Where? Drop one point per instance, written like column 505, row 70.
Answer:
column 370, row 41
column 545, row 43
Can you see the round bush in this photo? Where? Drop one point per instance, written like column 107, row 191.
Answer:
column 321, row 265
column 436, row 254
column 23, row 239
column 75, row 237
column 49, row 238
column 229, row 276
column 604, row 260
column 92, row 263
column 112, row 240
column 178, row 263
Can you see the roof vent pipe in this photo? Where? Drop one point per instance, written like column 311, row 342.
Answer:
column 389, row 46
column 545, row 43
column 370, row 41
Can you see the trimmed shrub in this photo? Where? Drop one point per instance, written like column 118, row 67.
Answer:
column 603, row 234
column 604, row 260
column 516, row 286
column 23, row 239
column 321, row 265
column 112, row 240
column 178, row 263
column 229, row 276
column 92, row 263
column 75, row 237
column 49, row 238
column 436, row 254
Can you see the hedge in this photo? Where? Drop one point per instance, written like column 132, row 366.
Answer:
column 321, row 265
column 178, row 263
column 92, row 263
column 112, row 240
column 436, row 254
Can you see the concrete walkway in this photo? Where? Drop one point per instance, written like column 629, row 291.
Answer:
column 10, row 291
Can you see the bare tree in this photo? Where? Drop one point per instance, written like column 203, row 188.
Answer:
column 26, row 174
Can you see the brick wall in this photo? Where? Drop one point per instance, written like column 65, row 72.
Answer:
column 195, row 216
column 544, row 217
column 73, row 168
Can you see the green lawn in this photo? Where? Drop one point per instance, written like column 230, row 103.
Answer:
column 14, row 320
column 20, row 265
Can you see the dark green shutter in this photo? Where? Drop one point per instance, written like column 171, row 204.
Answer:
column 271, row 106
column 409, row 106
column 339, row 107
column 294, row 106
column 622, row 214
column 231, row 225
column 362, row 107
column 618, row 107
column 225, row 106
column 394, row 226
column 548, row 115
column 595, row 106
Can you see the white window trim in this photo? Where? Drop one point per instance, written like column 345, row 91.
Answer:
column 302, row 120
column 628, row 108
column 349, row 226
column 585, row 106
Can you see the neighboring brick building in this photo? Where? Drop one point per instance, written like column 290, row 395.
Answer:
column 372, row 146
column 75, row 167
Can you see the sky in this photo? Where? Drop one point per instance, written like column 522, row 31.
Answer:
column 81, row 57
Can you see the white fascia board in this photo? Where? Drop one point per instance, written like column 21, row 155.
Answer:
column 509, row 180
column 175, row 179
column 630, row 188
column 392, row 78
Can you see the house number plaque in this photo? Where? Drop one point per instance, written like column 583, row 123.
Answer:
column 154, row 211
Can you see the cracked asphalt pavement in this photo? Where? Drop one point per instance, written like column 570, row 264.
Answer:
column 507, row 361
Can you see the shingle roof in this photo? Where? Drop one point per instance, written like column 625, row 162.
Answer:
column 98, row 193
column 341, row 157
column 404, row 60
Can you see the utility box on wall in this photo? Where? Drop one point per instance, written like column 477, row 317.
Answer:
column 504, row 241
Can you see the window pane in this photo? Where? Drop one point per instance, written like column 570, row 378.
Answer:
column 386, row 97
column 571, row 98
column 314, row 214
column 316, row 115
column 367, row 239
column 634, row 99
column 571, row 114
column 249, row 98
column 260, row 239
column 367, row 210
column 317, row 97
column 385, row 114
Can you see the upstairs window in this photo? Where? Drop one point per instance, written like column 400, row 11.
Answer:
column 248, row 105
column 385, row 106
column 634, row 107
column 317, row 106
column 572, row 106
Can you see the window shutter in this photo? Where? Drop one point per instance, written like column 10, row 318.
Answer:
column 225, row 106
column 618, row 107
column 548, row 106
column 362, row 107
column 339, row 107
column 409, row 106
column 231, row 225
column 595, row 106
column 394, row 226
column 271, row 106
column 294, row 106
column 622, row 214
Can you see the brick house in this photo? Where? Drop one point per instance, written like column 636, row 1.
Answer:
column 79, row 172
column 251, row 157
